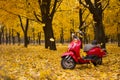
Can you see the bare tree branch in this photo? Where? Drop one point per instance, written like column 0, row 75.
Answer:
column 84, row 10
column 27, row 23
column 86, row 17
column 39, row 2
column 36, row 16
column 59, row 4
column 8, row 11
column 55, row 7
column 84, row 5
column 87, row 25
column 21, row 23
column 18, row 14
column 106, row 5
column 90, row 6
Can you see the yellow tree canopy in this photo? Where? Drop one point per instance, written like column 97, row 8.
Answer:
column 66, row 17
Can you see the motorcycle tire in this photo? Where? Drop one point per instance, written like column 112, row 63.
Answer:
column 68, row 63
column 97, row 61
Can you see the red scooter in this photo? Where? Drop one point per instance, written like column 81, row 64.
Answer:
column 72, row 57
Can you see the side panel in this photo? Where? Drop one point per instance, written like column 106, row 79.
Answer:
column 96, row 51
column 70, row 53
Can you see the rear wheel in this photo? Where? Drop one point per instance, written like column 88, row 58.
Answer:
column 68, row 63
column 97, row 61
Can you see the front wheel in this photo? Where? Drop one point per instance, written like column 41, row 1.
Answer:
column 68, row 63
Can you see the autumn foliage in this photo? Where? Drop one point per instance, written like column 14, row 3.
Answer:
column 37, row 63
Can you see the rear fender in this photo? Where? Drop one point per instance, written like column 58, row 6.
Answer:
column 104, row 52
column 66, row 54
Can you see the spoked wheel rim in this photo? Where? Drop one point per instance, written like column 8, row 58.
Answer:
column 68, row 63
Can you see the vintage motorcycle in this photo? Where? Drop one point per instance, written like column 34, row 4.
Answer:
column 72, row 57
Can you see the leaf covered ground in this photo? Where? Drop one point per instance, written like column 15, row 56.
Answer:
column 37, row 63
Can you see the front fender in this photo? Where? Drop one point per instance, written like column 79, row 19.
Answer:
column 70, row 53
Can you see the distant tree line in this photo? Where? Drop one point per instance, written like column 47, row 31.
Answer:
column 11, row 36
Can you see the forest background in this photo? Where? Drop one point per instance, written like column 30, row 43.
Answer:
column 22, row 18
column 24, row 23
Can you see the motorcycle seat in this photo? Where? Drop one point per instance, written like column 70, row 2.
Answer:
column 89, row 47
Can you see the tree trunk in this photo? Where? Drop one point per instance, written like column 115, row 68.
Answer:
column 3, row 36
column 0, row 37
column 26, row 41
column 33, row 36
column 47, row 13
column 71, row 31
column 80, row 16
column 18, row 36
column 13, row 38
column 6, row 35
column 118, row 34
column 25, row 30
column 61, row 36
column 6, row 39
column 119, row 40
column 39, row 38
column 97, row 11
column 46, row 38
column 9, row 36
column 99, row 29
column 48, row 32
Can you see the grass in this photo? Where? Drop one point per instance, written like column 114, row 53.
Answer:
column 37, row 63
